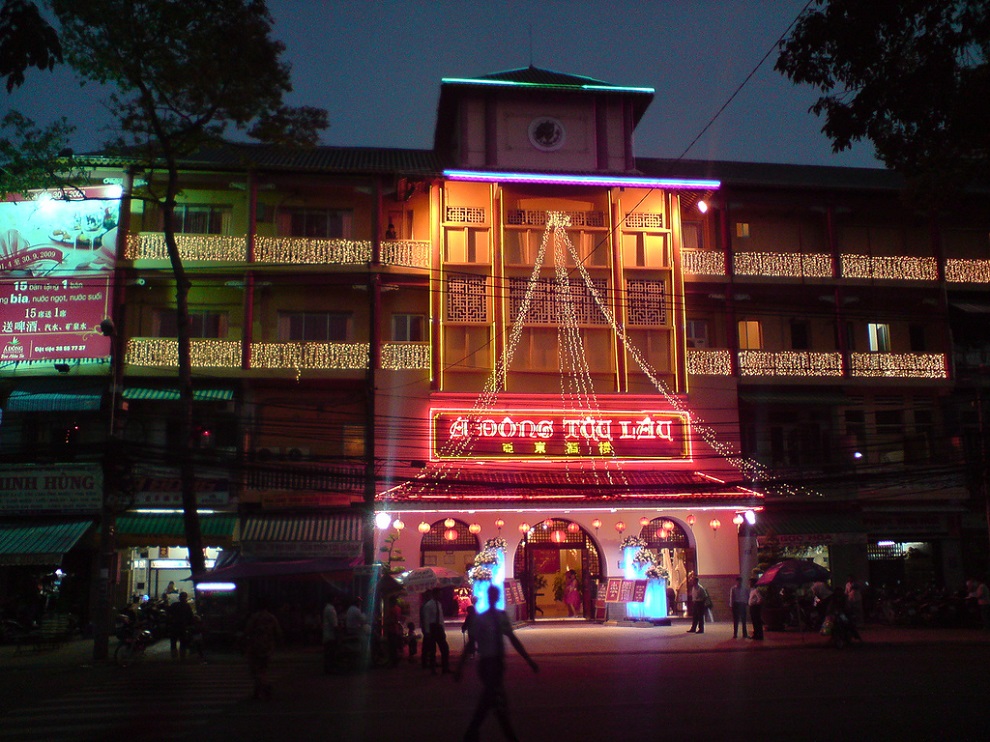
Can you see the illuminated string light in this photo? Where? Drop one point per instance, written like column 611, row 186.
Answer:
column 307, row 250
column 219, row 248
column 782, row 265
column 339, row 356
column 958, row 270
column 165, row 352
column 789, row 363
column 899, row 365
column 709, row 362
column 703, row 262
column 898, row 268
column 401, row 356
column 408, row 253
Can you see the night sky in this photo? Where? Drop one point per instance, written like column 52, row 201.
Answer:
column 377, row 66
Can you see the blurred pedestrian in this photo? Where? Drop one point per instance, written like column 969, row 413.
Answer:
column 700, row 603
column 490, row 628
column 434, row 634
column 756, row 609
column 977, row 591
column 180, row 623
column 331, row 623
column 261, row 634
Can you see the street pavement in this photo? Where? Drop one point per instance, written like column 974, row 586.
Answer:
column 594, row 680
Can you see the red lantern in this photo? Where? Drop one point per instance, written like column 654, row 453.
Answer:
column 524, row 528
column 596, row 524
column 738, row 519
column 690, row 520
column 450, row 523
column 573, row 527
column 424, row 527
column 662, row 534
column 475, row 528
column 644, row 521
column 499, row 524
column 398, row 525
column 667, row 525
column 620, row 526
column 450, row 534
column 558, row 537
column 715, row 524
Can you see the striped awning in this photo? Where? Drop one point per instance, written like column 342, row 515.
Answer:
column 150, row 529
column 173, row 395
column 39, row 543
column 53, row 396
column 301, row 536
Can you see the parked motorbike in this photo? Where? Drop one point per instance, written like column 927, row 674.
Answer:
column 134, row 639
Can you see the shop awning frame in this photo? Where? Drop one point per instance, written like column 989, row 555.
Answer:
column 288, row 537
column 39, row 543
column 56, row 395
column 137, row 393
column 150, row 529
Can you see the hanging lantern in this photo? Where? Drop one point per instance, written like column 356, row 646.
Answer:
column 398, row 525
column 382, row 521
column 644, row 521
column 450, row 534
column 424, row 527
column 558, row 537
column 573, row 527
column 524, row 528
column 690, row 520
column 596, row 524
column 667, row 525
column 738, row 519
column 715, row 524
column 450, row 523
column 498, row 524
column 620, row 526
column 475, row 528
column 662, row 534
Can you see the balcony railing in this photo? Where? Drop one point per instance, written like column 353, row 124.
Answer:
column 819, row 365
column 327, row 356
column 958, row 270
column 402, row 356
column 278, row 250
column 165, row 352
column 819, row 265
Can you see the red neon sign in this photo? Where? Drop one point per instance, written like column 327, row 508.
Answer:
column 554, row 435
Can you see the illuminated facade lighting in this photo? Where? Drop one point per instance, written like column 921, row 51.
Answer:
column 782, row 265
column 789, row 363
column 483, row 176
column 967, row 271
column 709, row 362
column 899, row 268
column 703, row 262
column 899, row 365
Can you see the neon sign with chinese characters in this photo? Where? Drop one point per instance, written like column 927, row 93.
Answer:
column 559, row 435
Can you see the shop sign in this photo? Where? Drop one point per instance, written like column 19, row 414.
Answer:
column 62, row 489
column 154, row 489
column 619, row 590
column 555, row 435
column 56, row 262
column 514, row 592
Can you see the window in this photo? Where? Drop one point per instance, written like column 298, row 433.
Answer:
column 879, row 336
column 409, row 328
column 692, row 234
column 800, row 336
column 198, row 218
column 742, row 230
column 750, row 335
column 644, row 250
column 315, row 223
column 697, row 333
column 467, row 299
column 466, row 346
column 315, row 327
column 202, row 324
column 465, row 245
column 646, row 302
column 917, row 338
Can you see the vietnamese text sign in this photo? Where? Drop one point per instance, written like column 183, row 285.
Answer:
column 554, row 434
column 62, row 489
column 56, row 263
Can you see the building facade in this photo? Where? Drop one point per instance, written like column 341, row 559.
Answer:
column 525, row 333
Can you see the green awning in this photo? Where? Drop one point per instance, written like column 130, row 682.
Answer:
column 173, row 395
column 39, row 543
column 56, row 395
column 163, row 529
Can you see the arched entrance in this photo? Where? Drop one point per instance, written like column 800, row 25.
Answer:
column 448, row 543
column 547, row 552
column 670, row 542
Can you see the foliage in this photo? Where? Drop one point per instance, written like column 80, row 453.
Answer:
column 26, row 40
column 32, row 157
column 629, row 541
column 904, row 74
column 394, row 561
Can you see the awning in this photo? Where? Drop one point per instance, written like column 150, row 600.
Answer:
column 56, row 395
column 150, row 529
column 39, row 543
column 303, row 536
column 810, row 529
column 173, row 395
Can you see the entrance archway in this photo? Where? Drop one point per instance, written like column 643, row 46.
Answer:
column 448, row 543
column 545, row 555
column 670, row 541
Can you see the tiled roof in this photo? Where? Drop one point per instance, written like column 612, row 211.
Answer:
column 562, row 486
column 370, row 160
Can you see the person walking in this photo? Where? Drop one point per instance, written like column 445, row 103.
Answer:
column 490, row 628
column 756, row 609
column 261, row 634
column 738, row 603
column 434, row 634
column 700, row 603
column 977, row 591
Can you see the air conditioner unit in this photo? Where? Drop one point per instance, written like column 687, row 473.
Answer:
column 296, row 453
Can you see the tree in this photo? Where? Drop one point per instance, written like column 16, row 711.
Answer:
column 911, row 76
column 26, row 40
column 182, row 73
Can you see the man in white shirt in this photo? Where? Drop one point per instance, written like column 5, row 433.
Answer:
column 738, row 601
column 756, row 609
column 434, row 634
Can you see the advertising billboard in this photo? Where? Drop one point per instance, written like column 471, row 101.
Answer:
column 56, row 270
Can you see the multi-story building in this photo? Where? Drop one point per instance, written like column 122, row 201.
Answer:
column 527, row 332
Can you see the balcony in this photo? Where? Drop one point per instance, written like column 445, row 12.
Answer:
column 405, row 356
column 900, row 268
column 164, row 352
column 278, row 250
column 819, row 265
column 782, row 265
column 967, row 271
column 299, row 356
column 819, row 365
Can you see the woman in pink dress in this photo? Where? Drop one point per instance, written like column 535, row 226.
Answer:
column 572, row 596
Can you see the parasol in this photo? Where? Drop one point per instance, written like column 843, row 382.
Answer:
column 422, row 579
column 793, row 573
